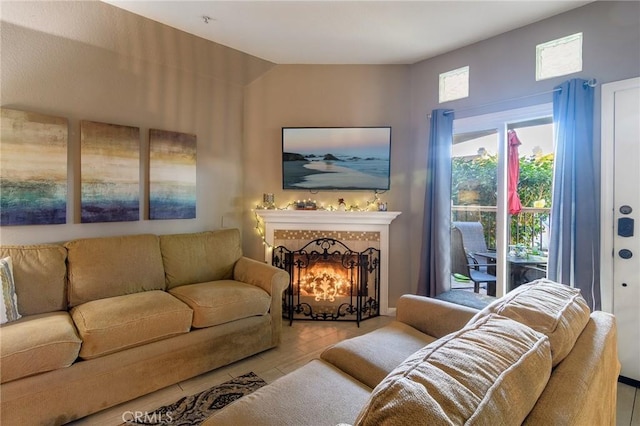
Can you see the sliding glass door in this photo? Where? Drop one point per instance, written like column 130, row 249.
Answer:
column 503, row 224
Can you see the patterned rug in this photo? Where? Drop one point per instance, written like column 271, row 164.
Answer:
column 194, row 409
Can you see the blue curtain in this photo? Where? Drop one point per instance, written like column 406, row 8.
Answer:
column 574, row 247
column 435, row 258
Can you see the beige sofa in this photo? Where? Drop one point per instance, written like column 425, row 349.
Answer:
column 537, row 356
column 105, row 320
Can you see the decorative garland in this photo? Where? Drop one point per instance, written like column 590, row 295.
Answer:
column 353, row 208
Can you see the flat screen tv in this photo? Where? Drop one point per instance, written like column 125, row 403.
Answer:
column 345, row 158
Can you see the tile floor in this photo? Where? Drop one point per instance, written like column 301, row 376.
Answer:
column 301, row 342
column 628, row 406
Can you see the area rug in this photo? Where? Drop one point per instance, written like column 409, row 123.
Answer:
column 194, row 409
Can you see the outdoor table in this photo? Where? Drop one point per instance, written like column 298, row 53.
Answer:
column 518, row 266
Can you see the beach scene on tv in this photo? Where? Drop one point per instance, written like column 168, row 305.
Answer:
column 336, row 158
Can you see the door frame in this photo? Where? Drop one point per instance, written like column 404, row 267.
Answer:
column 607, row 215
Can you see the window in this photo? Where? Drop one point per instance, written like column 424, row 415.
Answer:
column 480, row 189
column 559, row 57
column 454, row 84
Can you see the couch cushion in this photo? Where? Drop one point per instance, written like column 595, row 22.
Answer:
column 40, row 276
column 121, row 322
column 314, row 394
column 113, row 266
column 556, row 310
column 9, row 309
column 489, row 371
column 371, row 357
column 200, row 257
column 221, row 301
column 37, row 343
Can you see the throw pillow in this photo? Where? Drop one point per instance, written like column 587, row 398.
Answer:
column 9, row 310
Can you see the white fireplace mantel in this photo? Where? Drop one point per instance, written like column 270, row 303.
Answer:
column 323, row 220
column 325, row 216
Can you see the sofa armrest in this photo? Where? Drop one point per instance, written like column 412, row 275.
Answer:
column 434, row 317
column 583, row 387
column 272, row 280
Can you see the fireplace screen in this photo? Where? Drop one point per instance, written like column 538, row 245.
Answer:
column 329, row 281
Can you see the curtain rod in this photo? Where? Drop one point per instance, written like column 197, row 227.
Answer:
column 590, row 83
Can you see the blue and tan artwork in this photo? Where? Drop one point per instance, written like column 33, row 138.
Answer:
column 346, row 158
column 110, row 172
column 172, row 175
column 33, row 168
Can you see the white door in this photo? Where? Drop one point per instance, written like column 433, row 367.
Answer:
column 621, row 217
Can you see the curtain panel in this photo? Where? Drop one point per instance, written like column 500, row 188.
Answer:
column 435, row 257
column 574, row 247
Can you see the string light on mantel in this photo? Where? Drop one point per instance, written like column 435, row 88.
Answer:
column 373, row 204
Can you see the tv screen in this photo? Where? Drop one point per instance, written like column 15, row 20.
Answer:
column 347, row 158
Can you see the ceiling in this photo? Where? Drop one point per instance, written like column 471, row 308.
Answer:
column 346, row 32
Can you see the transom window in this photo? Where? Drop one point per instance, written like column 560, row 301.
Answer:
column 559, row 57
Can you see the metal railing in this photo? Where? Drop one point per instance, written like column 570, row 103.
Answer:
column 529, row 228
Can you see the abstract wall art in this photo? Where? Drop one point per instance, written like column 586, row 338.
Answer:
column 172, row 175
column 33, row 168
column 110, row 172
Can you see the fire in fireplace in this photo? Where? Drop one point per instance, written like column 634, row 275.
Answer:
column 329, row 281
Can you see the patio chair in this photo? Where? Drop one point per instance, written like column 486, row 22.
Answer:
column 460, row 265
column 474, row 242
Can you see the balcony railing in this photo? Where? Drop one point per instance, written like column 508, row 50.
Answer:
column 529, row 228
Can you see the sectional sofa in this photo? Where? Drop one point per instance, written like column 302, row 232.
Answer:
column 536, row 356
column 105, row 320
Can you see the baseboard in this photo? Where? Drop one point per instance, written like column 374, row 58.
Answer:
column 627, row 381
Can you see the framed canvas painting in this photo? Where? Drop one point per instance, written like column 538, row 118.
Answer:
column 172, row 175
column 110, row 172
column 33, row 168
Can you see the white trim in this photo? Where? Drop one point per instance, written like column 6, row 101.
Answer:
column 325, row 216
column 607, row 140
column 496, row 120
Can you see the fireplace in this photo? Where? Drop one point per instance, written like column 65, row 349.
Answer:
column 329, row 281
column 358, row 230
